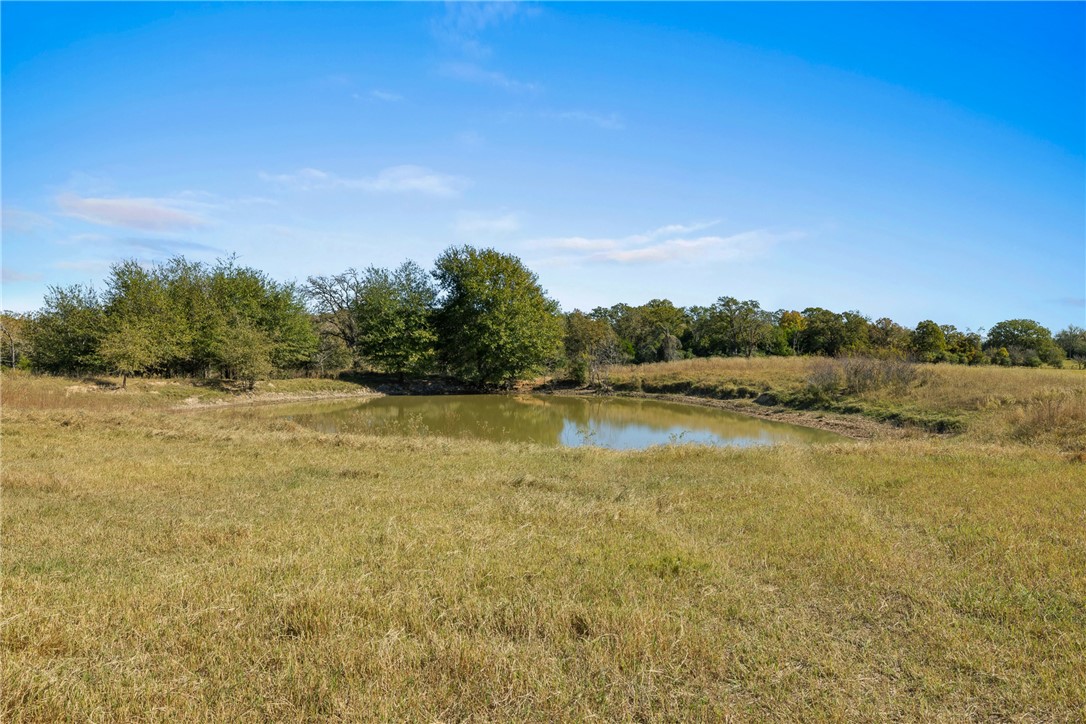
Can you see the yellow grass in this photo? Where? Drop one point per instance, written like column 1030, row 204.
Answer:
column 988, row 403
column 224, row 566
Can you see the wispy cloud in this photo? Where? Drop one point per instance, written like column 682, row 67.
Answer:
column 99, row 251
column 396, row 179
column 18, row 220
column 608, row 121
column 473, row 73
column 9, row 276
column 470, row 139
column 385, row 96
column 143, row 214
column 165, row 247
column 671, row 243
column 470, row 223
column 153, row 247
column 84, row 239
column 462, row 23
column 1072, row 301
column 84, row 265
column 461, row 28
column 736, row 246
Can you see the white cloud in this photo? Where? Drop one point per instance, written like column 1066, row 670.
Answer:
column 131, row 213
column 10, row 275
column 385, row 96
column 22, row 221
column 304, row 179
column 84, row 265
column 462, row 23
column 472, row 73
column 746, row 244
column 84, row 239
column 468, row 224
column 609, row 121
column 671, row 243
column 395, row 179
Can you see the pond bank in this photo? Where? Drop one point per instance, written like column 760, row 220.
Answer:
column 855, row 427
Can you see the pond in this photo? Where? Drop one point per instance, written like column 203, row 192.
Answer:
column 617, row 423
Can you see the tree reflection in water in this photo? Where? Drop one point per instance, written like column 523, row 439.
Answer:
column 550, row 420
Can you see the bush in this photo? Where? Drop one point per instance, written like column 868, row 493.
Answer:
column 856, row 375
column 1056, row 416
column 824, row 375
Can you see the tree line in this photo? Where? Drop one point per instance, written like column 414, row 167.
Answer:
column 479, row 315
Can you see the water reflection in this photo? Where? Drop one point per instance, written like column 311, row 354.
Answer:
column 616, row 423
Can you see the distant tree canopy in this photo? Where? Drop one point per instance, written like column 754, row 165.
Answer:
column 1073, row 343
column 928, row 341
column 590, row 344
column 176, row 318
column 1026, row 342
column 395, row 319
column 66, row 332
column 14, row 339
column 480, row 316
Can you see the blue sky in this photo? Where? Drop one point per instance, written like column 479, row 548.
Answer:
column 907, row 160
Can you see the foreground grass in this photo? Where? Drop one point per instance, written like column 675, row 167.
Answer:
column 992, row 404
column 220, row 565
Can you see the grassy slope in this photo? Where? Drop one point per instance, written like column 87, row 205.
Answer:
column 990, row 403
column 160, row 565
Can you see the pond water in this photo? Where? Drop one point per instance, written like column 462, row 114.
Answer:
column 617, row 423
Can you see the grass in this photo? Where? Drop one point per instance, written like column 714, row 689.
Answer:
column 101, row 393
column 224, row 565
column 988, row 403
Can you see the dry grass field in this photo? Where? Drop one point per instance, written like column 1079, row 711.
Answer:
column 992, row 404
column 222, row 565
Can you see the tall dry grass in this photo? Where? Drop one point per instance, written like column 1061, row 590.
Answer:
column 230, row 567
column 991, row 403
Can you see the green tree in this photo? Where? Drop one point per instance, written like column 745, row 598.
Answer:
column 495, row 324
column 14, row 335
column 831, row 334
column 888, row 336
column 1073, row 343
column 856, row 332
column 823, row 332
column 64, row 335
column 792, row 323
column 246, row 298
column 243, row 351
column 752, row 327
column 143, row 329
column 590, row 345
column 651, row 332
column 928, row 342
column 196, row 313
column 1027, row 342
column 394, row 319
column 963, row 347
column 129, row 348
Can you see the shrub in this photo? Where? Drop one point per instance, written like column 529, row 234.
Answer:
column 824, row 375
column 859, row 374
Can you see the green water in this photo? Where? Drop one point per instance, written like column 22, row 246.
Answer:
column 618, row 423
